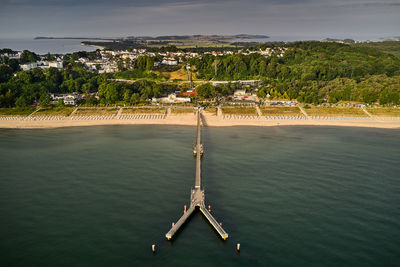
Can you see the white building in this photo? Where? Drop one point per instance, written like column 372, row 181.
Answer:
column 68, row 99
column 28, row 66
column 12, row 55
column 239, row 93
column 169, row 61
column 56, row 64
column 172, row 98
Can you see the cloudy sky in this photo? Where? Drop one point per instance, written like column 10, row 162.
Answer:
column 359, row 19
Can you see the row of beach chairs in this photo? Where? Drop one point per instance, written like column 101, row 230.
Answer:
column 134, row 117
column 13, row 118
column 281, row 117
column 389, row 118
column 341, row 118
column 93, row 117
column 240, row 117
column 45, row 118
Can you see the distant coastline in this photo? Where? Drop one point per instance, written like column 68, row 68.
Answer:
column 71, row 38
column 165, row 37
column 93, row 45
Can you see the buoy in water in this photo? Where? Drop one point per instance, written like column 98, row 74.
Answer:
column 153, row 248
column 238, row 247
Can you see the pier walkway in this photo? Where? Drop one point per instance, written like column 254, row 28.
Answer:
column 197, row 194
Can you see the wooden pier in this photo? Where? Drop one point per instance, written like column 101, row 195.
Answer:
column 197, row 194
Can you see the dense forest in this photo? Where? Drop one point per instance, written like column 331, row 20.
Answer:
column 35, row 86
column 311, row 72
column 392, row 47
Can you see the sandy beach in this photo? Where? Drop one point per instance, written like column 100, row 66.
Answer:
column 190, row 120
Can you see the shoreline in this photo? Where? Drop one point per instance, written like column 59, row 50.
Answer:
column 95, row 46
column 189, row 120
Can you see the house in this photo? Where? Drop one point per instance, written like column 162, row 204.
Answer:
column 239, row 93
column 282, row 103
column 12, row 55
column 68, row 99
column 169, row 61
column 28, row 66
column 56, row 64
column 189, row 94
column 171, row 98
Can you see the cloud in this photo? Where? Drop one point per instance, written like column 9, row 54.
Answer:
column 365, row 4
column 160, row 17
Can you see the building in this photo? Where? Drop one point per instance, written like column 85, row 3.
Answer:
column 29, row 66
column 169, row 61
column 68, row 99
column 12, row 55
column 282, row 103
column 239, row 93
column 171, row 98
column 243, row 96
column 56, row 64
column 189, row 93
column 241, row 82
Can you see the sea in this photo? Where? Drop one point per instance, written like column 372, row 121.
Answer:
column 44, row 46
column 290, row 196
column 64, row 46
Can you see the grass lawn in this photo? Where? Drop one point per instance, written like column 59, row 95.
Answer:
column 182, row 110
column 286, row 111
column 96, row 112
column 16, row 111
column 180, row 74
column 211, row 111
column 132, row 111
column 54, row 111
column 335, row 111
column 384, row 112
column 248, row 111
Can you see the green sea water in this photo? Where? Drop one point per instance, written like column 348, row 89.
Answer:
column 291, row 196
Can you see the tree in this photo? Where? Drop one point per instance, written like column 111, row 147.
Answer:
column 108, row 93
column 135, row 98
column 5, row 73
column 14, row 64
column 90, row 100
column 127, row 96
column 206, row 90
column 20, row 102
column 28, row 56
column 44, row 99
column 60, row 103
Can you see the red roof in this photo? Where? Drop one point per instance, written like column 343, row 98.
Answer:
column 189, row 94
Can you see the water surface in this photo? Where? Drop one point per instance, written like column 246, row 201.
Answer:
column 291, row 196
column 44, row 46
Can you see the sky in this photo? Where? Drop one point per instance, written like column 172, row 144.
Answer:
column 357, row 19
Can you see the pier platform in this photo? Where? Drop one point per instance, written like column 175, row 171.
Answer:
column 197, row 195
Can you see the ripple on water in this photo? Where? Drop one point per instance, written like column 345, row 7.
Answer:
column 290, row 195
